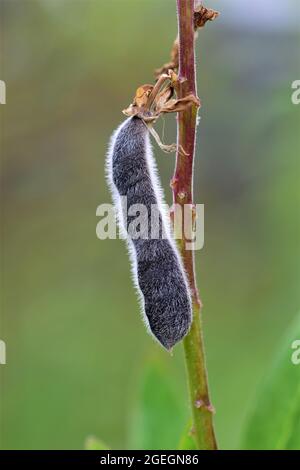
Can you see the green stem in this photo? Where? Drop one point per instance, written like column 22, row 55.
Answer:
column 202, row 409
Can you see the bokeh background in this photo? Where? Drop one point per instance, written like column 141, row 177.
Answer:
column 79, row 361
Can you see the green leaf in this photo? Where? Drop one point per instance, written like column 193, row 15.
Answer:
column 92, row 443
column 187, row 442
column 275, row 419
column 159, row 413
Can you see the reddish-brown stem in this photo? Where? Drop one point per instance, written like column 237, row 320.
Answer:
column 182, row 184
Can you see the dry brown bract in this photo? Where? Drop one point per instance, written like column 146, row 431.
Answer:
column 152, row 101
column 202, row 15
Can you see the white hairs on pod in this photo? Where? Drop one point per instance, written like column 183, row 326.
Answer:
column 158, row 272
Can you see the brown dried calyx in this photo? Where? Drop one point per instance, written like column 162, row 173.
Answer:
column 152, row 101
column 202, row 15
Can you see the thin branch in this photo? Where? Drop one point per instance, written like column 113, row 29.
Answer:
column 182, row 185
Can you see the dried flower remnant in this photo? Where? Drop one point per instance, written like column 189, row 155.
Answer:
column 202, row 15
column 151, row 101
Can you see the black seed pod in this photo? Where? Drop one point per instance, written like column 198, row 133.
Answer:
column 158, row 272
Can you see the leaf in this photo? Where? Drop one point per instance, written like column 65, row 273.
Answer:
column 275, row 419
column 159, row 413
column 187, row 442
column 93, row 443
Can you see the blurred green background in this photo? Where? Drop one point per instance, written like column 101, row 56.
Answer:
column 77, row 352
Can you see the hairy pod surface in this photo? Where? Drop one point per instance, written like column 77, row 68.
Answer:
column 157, row 269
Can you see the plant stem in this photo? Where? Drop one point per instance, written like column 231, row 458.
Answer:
column 202, row 409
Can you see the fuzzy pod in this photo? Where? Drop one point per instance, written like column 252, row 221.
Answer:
column 156, row 265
